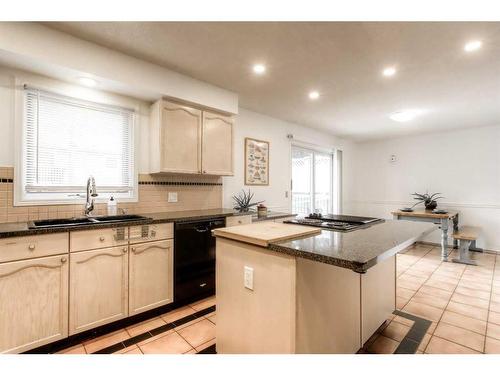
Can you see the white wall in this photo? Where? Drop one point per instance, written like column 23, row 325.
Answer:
column 463, row 165
column 255, row 125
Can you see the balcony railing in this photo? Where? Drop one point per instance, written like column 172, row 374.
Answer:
column 302, row 203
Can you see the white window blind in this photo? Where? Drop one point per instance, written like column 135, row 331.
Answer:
column 67, row 140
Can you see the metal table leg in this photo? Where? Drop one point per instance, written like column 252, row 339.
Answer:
column 455, row 228
column 444, row 240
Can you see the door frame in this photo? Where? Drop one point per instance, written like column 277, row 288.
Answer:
column 335, row 199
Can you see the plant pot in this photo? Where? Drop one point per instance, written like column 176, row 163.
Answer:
column 245, row 209
column 431, row 205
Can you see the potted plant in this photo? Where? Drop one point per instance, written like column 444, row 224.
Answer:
column 244, row 201
column 429, row 200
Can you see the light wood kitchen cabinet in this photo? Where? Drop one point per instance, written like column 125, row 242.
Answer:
column 98, row 292
column 33, row 303
column 175, row 138
column 232, row 221
column 217, row 144
column 184, row 139
column 98, row 238
column 27, row 247
column 151, row 275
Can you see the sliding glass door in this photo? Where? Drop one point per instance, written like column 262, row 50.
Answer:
column 312, row 181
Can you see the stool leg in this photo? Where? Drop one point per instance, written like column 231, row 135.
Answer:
column 464, row 253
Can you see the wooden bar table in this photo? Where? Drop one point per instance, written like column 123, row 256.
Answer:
column 443, row 220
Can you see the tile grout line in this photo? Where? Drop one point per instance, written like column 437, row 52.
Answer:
column 433, row 272
column 451, row 296
column 489, row 305
column 415, row 292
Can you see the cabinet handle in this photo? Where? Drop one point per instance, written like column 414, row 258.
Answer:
column 133, row 249
column 63, row 260
column 203, row 285
column 101, row 239
column 240, row 222
column 124, row 250
column 31, row 246
column 204, row 171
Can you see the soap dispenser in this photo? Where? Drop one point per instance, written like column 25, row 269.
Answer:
column 112, row 209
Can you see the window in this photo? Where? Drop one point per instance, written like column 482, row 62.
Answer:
column 66, row 140
column 313, row 177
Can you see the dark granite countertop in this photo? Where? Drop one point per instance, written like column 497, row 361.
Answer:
column 358, row 250
column 271, row 215
column 21, row 229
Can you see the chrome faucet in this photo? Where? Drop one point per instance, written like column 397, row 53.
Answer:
column 91, row 194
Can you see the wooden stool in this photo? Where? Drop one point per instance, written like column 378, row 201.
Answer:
column 466, row 236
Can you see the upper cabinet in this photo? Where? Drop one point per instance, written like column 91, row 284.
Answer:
column 188, row 140
column 217, row 144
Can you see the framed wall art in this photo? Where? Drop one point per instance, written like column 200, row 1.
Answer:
column 256, row 162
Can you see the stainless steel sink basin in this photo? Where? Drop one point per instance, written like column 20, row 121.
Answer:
column 55, row 223
column 58, row 223
column 118, row 218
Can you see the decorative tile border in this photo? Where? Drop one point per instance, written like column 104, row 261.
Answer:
column 6, row 180
column 155, row 332
column 412, row 340
column 136, row 339
column 180, row 183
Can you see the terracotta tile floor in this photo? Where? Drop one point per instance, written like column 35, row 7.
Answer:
column 460, row 300
column 463, row 303
column 189, row 338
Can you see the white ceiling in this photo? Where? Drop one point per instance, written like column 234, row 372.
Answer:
column 342, row 60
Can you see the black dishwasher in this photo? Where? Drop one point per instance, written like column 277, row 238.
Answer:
column 194, row 259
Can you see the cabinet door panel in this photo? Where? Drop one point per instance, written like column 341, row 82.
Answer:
column 151, row 275
column 98, row 288
column 217, row 144
column 180, row 138
column 33, row 303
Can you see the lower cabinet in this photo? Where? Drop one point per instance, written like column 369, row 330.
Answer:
column 33, row 303
column 151, row 275
column 98, row 292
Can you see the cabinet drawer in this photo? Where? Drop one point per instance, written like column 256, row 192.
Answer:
column 17, row 248
column 98, row 238
column 232, row 221
column 151, row 232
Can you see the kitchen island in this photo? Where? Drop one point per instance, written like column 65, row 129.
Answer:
column 284, row 288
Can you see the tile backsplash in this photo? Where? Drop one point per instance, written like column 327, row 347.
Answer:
column 193, row 192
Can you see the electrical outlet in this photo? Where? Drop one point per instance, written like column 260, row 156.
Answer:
column 172, row 197
column 248, row 278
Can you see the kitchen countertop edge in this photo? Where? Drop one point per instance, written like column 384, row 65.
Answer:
column 8, row 230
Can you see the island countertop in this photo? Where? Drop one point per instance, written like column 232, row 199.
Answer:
column 357, row 250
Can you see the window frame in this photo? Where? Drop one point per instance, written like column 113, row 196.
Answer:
column 21, row 197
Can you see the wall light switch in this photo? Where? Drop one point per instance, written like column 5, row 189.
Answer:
column 248, row 277
column 172, row 197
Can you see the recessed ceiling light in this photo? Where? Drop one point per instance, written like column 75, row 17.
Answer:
column 259, row 69
column 87, row 81
column 389, row 71
column 405, row 115
column 313, row 95
column 473, row 45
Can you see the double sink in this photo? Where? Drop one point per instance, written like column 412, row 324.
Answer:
column 72, row 222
